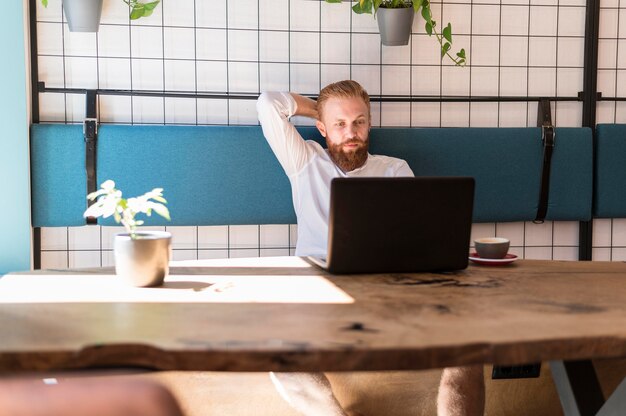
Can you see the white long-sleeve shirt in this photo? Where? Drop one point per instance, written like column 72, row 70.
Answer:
column 310, row 170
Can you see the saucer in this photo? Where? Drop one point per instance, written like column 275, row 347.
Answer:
column 509, row 258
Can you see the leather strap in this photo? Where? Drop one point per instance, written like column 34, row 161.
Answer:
column 547, row 137
column 90, row 133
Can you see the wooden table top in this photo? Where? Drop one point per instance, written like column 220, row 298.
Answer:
column 283, row 314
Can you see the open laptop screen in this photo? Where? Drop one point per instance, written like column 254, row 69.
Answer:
column 399, row 224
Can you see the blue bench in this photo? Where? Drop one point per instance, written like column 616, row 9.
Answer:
column 217, row 175
column 609, row 199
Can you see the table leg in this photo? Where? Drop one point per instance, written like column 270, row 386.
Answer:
column 615, row 404
column 578, row 387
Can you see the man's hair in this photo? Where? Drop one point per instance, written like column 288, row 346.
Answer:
column 342, row 89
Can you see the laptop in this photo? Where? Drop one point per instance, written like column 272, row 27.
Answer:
column 391, row 225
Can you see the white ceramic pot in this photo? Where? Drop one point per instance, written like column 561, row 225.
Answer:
column 83, row 15
column 143, row 261
column 395, row 25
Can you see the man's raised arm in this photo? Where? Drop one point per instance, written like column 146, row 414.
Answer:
column 274, row 110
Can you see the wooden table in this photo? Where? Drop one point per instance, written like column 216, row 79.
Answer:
column 283, row 314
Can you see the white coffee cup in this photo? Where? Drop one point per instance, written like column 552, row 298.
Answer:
column 492, row 247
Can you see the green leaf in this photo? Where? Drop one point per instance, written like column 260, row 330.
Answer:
column 333, row 1
column 45, row 3
column 429, row 28
column 137, row 12
column 152, row 5
column 357, row 9
column 426, row 12
column 417, row 4
column 445, row 48
column 447, row 32
column 461, row 54
column 162, row 211
column 366, row 6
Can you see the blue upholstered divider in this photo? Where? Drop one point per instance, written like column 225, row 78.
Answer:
column 609, row 199
column 58, row 177
column 506, row 163
column 211, row 175
column 228, row 174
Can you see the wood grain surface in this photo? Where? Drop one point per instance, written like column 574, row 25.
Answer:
column 529, row 311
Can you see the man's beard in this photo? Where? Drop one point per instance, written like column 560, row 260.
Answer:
column 351, row 159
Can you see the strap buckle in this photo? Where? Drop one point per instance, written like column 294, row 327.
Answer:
column 90, row 128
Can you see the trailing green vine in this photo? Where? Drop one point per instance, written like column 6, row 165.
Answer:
column 444, row 38
column 137, row 8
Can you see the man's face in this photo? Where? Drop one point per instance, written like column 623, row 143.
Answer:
column 345, row 124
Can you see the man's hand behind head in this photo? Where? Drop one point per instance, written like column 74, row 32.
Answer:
column 305, row 106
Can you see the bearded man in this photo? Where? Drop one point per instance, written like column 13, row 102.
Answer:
column 342, row 114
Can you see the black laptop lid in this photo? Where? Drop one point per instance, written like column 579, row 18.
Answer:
column 379, row 225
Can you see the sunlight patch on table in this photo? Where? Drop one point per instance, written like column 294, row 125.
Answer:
column 89, row 288
column 280, row 262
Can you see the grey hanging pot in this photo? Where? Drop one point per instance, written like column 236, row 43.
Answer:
column 83, row 15
column 395, row 25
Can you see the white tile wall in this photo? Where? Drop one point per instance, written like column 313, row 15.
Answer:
column 211, row 44
column 54, row 239
column 514, row 47
column 54, row 259
column 179, row 43
column 305, row 15
column 243, row 236
column 274, row 236
column 91, row 246
column 180, row 111
column 212, row 254
column 115, row 109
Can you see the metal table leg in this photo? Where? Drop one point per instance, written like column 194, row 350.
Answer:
column 616, row 404
column 578, row 387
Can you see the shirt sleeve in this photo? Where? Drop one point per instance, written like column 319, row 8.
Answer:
column 404, row 170
column 274, row 110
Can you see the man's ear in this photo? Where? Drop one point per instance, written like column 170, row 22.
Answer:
column 321, row 127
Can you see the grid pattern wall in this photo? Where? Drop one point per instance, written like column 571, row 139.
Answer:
column 515, row 48
column 609, row 235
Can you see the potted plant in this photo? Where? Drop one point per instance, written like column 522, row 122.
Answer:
column 84, row 15
column 141, row 258
column 395, row 18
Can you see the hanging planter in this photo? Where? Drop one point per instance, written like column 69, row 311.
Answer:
column 395, row 25
column 394, row 31
column 84, row 15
